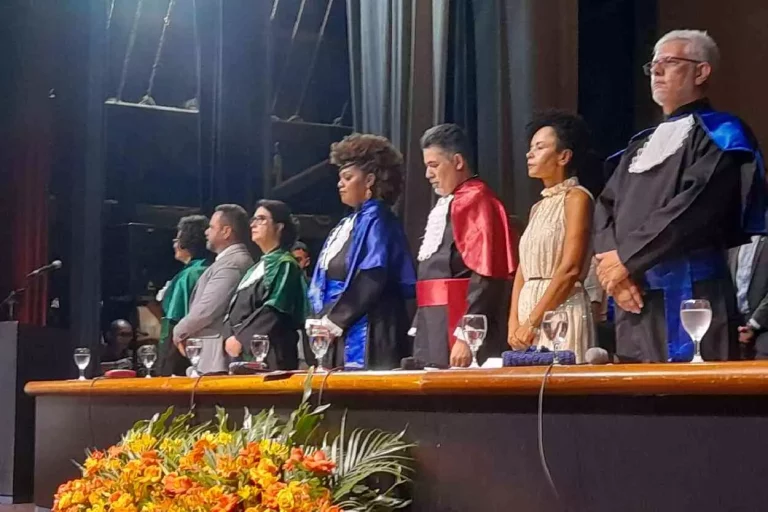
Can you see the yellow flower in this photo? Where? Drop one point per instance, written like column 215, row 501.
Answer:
column 169, row 445
column 270, row 448
column 248, row 492
column 139, row 443
column 152, row 475
column 223, row 438
column 285, row 500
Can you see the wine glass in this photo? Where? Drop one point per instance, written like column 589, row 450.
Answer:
column 319, row 341
column 474, row 328
column 82, row 358
column 555, row 327
column 193, row 347
column 148, row 357
column 696, row 315
column 259, row 347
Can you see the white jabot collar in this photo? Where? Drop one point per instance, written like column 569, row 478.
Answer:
column 336, row 241
column 433, row 233
column 666, row 140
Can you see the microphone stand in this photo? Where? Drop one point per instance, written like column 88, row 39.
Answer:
column 11, row 301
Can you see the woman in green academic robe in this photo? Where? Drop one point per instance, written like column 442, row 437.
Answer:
column 271, row 299
column 189, row 248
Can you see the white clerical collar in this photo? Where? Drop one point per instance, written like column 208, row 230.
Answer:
column 666, row 140
column 231, row 248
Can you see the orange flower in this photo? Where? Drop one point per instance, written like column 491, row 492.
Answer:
column 225, row 503
column 325, row 506
column 115, row 451
column 175, row 484
column 319, row 463
column 297, row 456
column 149, row 457
column 269, row 497
column 249, row 456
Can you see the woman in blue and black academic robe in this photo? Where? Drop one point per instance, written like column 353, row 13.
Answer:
column 365, row 274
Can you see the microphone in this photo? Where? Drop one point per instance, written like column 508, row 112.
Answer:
column 54, row 265
column 598, row 355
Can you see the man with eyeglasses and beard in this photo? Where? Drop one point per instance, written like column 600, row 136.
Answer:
column 680, row 195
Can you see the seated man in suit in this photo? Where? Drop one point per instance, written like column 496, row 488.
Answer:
column 227, row 234
column 117, row 353
column 749, row 268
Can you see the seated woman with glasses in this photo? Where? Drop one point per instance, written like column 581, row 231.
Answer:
column 555, row 249
column 271, row 299
column 365, row 272
column 188, row 248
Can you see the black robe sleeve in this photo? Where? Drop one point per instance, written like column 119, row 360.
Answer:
column 359, row 298
column 697, row 209
column 604, row 226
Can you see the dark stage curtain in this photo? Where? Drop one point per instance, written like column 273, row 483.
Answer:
column 25, row 159
column 397, row 68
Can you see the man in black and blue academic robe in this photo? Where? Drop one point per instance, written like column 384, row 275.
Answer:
column 681, row 194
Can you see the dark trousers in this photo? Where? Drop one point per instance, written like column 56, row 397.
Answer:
column 643, row 337
column 171, row 360
column 757, row 349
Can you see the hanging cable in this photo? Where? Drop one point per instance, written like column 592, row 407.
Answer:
column 109, row 15
column 279, row 73
column 147, row 99
column 275, row 3
column 129, row 49
column 542, row 456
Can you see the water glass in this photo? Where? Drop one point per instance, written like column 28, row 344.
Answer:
column 319, row 342
column 696, row 316
column 193, row 347
column 259, row 347
column 474, row 329
column 82, row 359
column 148, row 357
column 554, row 325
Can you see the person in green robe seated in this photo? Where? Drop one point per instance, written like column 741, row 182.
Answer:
column 271, row 299
column 188, row 248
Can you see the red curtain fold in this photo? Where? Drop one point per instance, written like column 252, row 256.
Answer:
column 27, row 162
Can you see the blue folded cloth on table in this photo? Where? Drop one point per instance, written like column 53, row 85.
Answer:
column 536, row 357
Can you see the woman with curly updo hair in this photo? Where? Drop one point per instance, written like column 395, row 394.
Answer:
column 365, row 272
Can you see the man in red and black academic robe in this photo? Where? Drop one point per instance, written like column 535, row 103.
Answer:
column 466, row 259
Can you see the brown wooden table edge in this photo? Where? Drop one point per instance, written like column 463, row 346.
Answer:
column 731, row 378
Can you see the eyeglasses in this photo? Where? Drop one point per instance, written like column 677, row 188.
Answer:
column 666, row 61
column 260, row 220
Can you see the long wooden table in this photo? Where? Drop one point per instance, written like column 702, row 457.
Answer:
column 674, row 437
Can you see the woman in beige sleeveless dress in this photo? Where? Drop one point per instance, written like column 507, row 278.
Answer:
column 555, row 249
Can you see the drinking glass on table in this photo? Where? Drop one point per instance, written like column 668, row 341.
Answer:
column 474, row 329
column 82, row 358
column 259, row 347
column 193, row 347
column 554, row 325
column 148, row 357
column 319, row 342
column 696, row 316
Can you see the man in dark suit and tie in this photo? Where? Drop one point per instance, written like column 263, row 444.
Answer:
column 749, row 269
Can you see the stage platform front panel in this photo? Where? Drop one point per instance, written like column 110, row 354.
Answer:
column 617, row 437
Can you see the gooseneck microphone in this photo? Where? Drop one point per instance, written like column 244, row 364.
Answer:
column 54, row 265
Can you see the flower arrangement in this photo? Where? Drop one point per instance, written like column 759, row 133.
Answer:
column 268, row 464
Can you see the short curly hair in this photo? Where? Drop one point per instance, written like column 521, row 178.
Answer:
column 191, row 235
column 375, row 155
column 571, row 131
